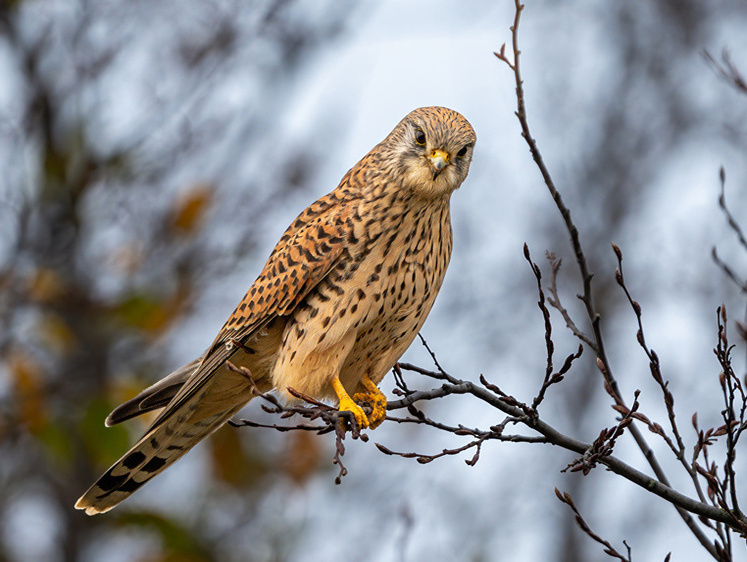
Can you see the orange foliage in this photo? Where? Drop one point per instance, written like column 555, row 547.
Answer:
column 28, row 389
column 190, row 208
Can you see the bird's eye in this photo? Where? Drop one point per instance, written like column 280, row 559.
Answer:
column 462, row 153
column 420, row 137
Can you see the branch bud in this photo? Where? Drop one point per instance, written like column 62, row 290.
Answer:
column 600, row 366
column 618, row 251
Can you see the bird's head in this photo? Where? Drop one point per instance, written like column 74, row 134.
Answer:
column 432, row 148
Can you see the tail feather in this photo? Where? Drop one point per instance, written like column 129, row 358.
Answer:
column 158, row 449
column 197, row 399
column 155, row 396
column 179, row 428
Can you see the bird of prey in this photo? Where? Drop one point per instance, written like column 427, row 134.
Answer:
column 340, row 299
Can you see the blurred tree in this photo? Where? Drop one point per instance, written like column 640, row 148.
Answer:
column 104, row 247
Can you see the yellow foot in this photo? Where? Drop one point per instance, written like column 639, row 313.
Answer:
column 375, row 399
column 347, row 404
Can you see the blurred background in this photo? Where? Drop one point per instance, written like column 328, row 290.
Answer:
column 152, row 152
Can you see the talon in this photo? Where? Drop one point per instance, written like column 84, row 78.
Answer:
column 374, row 398
column 348, row 405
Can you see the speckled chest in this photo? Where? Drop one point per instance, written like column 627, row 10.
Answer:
column 383, row 288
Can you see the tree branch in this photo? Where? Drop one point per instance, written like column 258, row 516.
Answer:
column 586, row 276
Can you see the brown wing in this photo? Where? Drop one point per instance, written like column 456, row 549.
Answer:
column 304, row 256
column 306, row 253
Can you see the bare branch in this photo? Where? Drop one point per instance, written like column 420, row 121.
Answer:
column 654, row 363
column 609, row 550
column 737, row 229
column 734, row 420
column 597, row 343
column 551, row 377
column 555, row 302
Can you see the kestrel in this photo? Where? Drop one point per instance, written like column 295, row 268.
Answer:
column 340, row 299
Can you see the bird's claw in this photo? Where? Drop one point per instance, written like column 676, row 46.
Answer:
column 375, row 399
column 348, row 405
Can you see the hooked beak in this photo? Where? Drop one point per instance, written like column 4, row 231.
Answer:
column 439, row 159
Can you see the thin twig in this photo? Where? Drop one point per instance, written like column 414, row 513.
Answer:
column 653, row 358
column 734, row 423
column 727, row 70
column 609, row 550
column 551, row 377
column 555, row 302
column 736, row 228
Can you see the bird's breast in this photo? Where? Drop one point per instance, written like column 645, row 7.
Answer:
column 381, row 291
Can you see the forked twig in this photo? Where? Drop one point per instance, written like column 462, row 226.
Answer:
column 609, row 550
column 551, row 377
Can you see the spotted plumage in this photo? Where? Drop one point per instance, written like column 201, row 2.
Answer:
column 341, row 297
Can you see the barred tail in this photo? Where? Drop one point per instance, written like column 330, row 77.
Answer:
column 158, row 449
column 197, row 399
